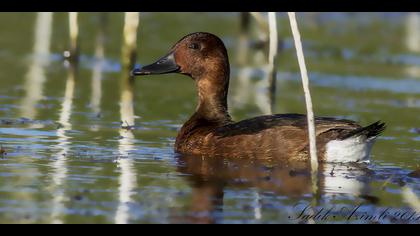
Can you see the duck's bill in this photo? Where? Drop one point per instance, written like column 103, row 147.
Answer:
column 164, row 65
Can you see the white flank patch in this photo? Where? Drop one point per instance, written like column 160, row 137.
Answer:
column 354, row 149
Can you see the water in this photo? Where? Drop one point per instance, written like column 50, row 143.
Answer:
column 66, row 159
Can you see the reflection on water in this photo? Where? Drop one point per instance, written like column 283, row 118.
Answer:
column 59, row 165
column 81, row 155
column 127, row 178
column 209, row 177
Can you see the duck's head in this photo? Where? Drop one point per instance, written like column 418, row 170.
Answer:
column 195, row 55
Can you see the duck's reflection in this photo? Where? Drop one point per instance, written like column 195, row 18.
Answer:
column 209, row 177
column 128, row 176
column 35, row 78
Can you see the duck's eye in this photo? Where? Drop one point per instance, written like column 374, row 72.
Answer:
column 194, row 46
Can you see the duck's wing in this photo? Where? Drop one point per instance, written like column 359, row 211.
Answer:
column 285, row 136
column 295, row 122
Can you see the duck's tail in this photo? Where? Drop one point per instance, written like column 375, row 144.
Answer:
column 370, row 131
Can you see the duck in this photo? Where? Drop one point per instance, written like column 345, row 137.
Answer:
column 211, row 131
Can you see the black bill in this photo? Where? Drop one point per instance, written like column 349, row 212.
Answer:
column 164, row 65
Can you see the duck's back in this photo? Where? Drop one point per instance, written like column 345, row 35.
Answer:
column 280, row 136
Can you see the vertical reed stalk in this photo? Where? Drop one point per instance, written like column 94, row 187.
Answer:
column 243, row 38
column 412, row 29
column 74, row 34
column 272, row 57
column 99, row 66
column 131, row 23
column 309, row 110
column 412, row 41
column 305, row 83
column 260, row 20
column 35, row 77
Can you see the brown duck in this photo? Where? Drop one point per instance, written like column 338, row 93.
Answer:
column 211, row 132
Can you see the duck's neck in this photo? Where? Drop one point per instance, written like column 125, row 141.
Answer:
column 212, row 108
column 212, row 90
column 211, row 112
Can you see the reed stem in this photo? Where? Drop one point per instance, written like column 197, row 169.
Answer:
column 309, row 110
column 305, row 83
column 131, row 24
column 74, row 34
column 272, row 56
